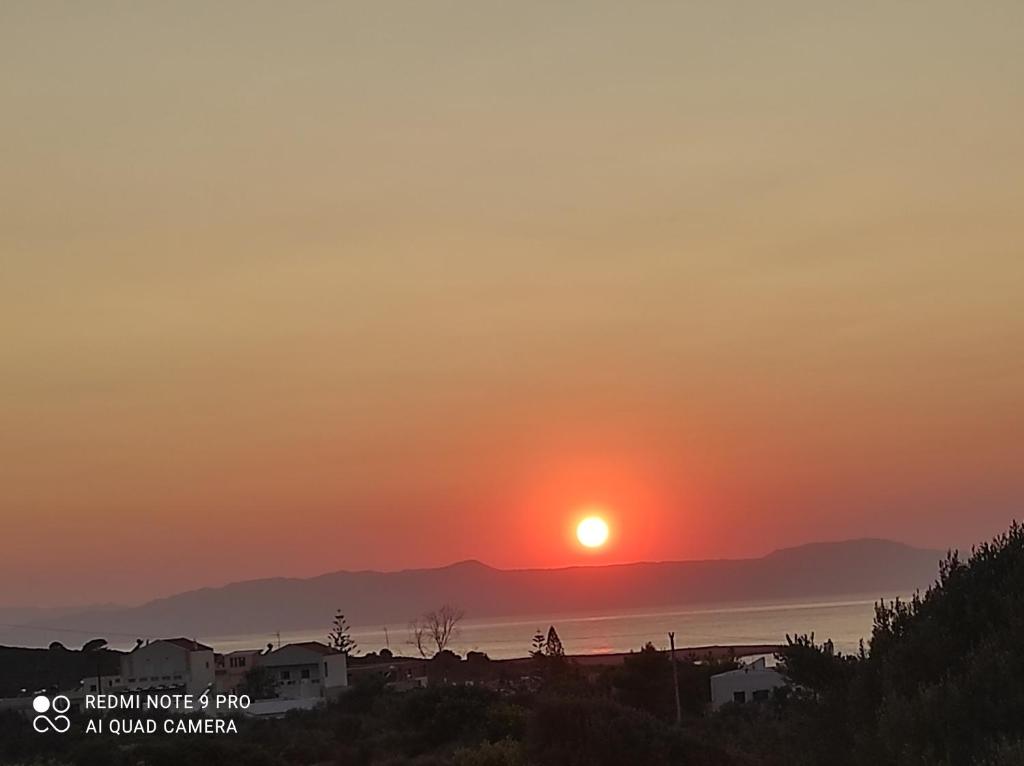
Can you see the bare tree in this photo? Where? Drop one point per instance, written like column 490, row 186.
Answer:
column 437, row 627
column 443, row 624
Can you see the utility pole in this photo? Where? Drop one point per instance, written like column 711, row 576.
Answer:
column 675, row 677
column 387, row 639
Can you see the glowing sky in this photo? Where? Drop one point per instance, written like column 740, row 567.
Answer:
column 293, row 288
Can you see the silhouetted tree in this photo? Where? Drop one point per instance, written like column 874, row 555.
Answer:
column 418, row 636
column 553, row 644
column 537, row 644
column 259, row 683
column 644, row 681
column 340, row 638
column 94, row 645
column 815, row 666
column 437, row 627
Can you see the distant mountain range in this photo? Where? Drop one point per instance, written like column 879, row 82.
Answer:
column 827, row 570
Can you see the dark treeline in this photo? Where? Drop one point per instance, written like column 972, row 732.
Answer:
column 942, row 684
column 24, row 670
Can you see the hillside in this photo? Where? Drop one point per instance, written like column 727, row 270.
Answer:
column 371, row 598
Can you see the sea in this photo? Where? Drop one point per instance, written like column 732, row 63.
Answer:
column 844, row 621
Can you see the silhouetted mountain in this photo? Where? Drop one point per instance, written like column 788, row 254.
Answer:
column 374, row 598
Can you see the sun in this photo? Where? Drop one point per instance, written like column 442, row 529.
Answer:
column 592, row 532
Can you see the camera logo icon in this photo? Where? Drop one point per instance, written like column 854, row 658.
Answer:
column 59, row 722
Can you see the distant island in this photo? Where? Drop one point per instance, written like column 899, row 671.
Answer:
column 375, row 598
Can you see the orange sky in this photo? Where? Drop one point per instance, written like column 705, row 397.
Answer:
column 396, row 284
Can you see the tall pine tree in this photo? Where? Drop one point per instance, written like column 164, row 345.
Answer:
column 553, row 645
column 339, row 637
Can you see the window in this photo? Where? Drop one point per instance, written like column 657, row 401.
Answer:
column 739, row 696
column 325, row 670
column 762, row 695
column 305, row 673
column 286, row 675
column 92, row 687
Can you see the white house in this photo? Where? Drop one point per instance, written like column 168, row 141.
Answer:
column 169, row 663
column 752, row 682
column 102, row 684
column 231, row 668
column 92, row 685
column 308, row 669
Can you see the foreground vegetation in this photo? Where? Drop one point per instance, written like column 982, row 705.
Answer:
column 942, row 685
column 25, row 670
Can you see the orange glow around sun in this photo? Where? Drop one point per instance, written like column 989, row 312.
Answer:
column 592, row 532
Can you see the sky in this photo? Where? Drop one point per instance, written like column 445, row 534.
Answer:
column 287, row 289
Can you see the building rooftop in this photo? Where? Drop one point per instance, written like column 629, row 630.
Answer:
column 187, row 643
column 313, row 646
column 305, row 652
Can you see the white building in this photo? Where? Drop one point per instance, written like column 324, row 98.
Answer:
column 169, row 663
column 307, row 670
column 102, row 684
column 232, row 668
column 92, row 685
column 752, row 682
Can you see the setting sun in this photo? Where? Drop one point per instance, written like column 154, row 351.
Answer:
column 592, row 532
